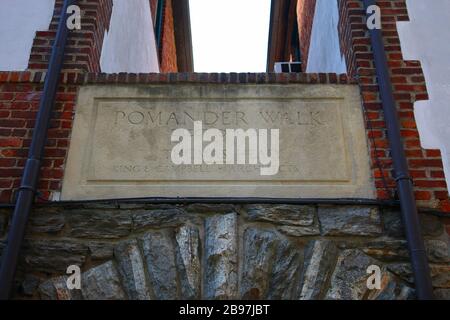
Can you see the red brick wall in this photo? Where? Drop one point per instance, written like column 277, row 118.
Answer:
column 168, row 51
column 426, row 166
column 20, row 93
column 305, row 16
column 84, row 46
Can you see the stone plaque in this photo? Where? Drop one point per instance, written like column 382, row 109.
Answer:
column 122, row 142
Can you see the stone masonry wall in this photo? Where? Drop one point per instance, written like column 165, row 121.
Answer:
column 144, row 251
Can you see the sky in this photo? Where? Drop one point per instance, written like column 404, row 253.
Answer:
column 230, row 35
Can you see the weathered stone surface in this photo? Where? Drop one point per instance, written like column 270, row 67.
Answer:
column 322, row 140
column 348, row 281
column 98, row 224
column 320, row 258
column 56, row 289
column 53, row 255
column 102, row 283
column 440, row 274
column 30, row 284
column 437, row 251
column 203, row 208
column 387, row 250
column 290, row 215
column 132, row 271
column 259, row 253
column 393, row 225
column 98, row 205
column 270, row 259
column 143, row 219
column 159, row 254
column 300, row 231
column 188, row 261
column 270, row 266
column 221, row 262
column 397, row 250
column 391, row 289
column 49, row 221
column 358, row 221
column 442, row 294
column 285, row 272
column 101, row 250
column 295, row 221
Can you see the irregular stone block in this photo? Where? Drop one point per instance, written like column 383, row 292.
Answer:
column 102, row 283
column 302, row 216
column 221, row 262
column 300, row 231
column 392, row 223
column 53, row 256
column 397, row 250
column 344, row 220
column 50, row 221
column 131, row 268
column 188, row 261
column 387, row 250
column 320, row 258
column 99, row 224
column 285, row 272
column 30, row 284
column 259, row 252
column 391, row 289
column 430, row 225
column 270, row 267
column 101, row 250
column 349, row 279
column 437, row 251
column 143, row 219
column 442, row 294
column 204, row 208
column 159, row 255
column 440, row 274
column 56, row 289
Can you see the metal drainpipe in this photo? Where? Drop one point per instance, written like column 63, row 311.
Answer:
column 30, row 176
column 419, row 261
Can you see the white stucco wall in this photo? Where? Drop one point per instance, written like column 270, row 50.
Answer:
column 426, row 37
column 130, row 44
column 324, row 52
column 19, row 21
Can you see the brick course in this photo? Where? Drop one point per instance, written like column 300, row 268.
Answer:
column 409, row 86
column 84, row 46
